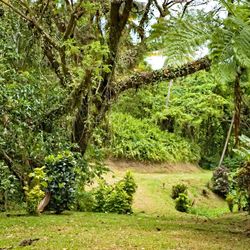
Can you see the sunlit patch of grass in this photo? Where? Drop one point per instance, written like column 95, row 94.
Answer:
column 111, row 231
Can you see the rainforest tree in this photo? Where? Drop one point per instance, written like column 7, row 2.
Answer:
column 81, row 55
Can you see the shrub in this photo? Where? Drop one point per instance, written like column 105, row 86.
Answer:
column 10, row 190
column 34, row 191
column 177, row 190
column 118, row 201
column 84, row 201
column 128, row 184
column 243, row 183
column 243, row 173
column 230, row 201
column 220, row 181
column 234, row 162
column 182, row 203
column 61, row 180
column 117, row 198
column 101, row 194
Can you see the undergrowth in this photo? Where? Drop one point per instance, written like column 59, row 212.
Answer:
column 139, row 139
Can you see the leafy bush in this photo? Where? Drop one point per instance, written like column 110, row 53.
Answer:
column 101, row 194
column 142, row 140
column 182, row 203
column 234, row 162
column 115, row 198
column 220, row 181
column 243, row 173
column 118, row 201
column 60, row 170
column 84, row 201
column 9, row 188
column 177, row 190
column 243, row 183
column 34, row 191
column 230, row 201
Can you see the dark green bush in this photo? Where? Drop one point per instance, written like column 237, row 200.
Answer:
column 234, row 162
column 60, row 170
column 10, row 189
column 220, row 181
column 177, row 190
column 182, row 203
column 243, row 183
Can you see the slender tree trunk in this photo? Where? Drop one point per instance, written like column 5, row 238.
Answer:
column 237, row 105
column 227, row 140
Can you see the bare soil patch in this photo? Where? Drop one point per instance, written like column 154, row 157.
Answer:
column 152, row 167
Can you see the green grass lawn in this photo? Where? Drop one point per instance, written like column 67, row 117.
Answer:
column 111, row 231
column 154, row 225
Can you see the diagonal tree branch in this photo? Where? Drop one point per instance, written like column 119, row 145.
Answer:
column 149, row 78
column 135, row 81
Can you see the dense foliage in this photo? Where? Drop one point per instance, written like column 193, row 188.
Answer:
column 220, row 181
column 194, row 123
column 60, row 170
column 9, row 189
column 178, row 189
column 140, row 139
column 182, row 203
column 34, row 191
column 180, row 195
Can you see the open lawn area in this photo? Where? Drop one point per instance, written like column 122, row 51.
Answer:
column 154, row 225
column 111, row 231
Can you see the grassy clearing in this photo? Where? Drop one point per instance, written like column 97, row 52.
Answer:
column 154, row 190
column 154, row 225
column 110, row 231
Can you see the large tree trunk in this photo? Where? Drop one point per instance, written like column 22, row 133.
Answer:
column 81, row 126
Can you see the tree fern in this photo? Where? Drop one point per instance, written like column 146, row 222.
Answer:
column 227, row 39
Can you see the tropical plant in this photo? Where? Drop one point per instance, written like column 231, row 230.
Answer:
column 182, row 203
column 34, row 190
column 142, row 140
column 117, row 198
column 60, row 170
column 9, row 188
column 227, row 40
column 243, row 172
column 178, row 189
